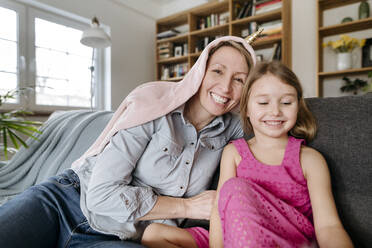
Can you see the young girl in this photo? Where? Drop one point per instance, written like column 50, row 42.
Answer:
column 273, row 190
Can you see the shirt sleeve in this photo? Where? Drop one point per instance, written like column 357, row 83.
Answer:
column 236, row 127
column 110, row 192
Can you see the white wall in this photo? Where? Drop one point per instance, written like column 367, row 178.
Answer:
column 133, row 41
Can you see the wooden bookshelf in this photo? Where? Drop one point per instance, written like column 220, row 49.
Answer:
column 325, row 31
column 233, row 26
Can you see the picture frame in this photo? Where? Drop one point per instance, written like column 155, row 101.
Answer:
column 367, row 53
column 177, row 51
column 259, row 57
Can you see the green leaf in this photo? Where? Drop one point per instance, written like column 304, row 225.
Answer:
column 13, row 139
column 20, row 140
column 5, row 143
column 21, row 130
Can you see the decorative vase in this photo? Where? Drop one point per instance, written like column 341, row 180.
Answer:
column 363, row 10
column 344, row 61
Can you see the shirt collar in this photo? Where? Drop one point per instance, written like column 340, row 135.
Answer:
column 219, row 120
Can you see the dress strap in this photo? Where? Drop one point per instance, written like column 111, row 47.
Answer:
column 242, row 147
column 292, row 160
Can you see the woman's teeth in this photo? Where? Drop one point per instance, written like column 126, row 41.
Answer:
column 219, row 99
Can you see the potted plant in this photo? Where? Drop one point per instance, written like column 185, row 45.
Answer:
column 353, row 85
column 13, row 126
column 343, row 47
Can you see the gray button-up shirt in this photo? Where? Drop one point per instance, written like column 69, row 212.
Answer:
column 166, row 156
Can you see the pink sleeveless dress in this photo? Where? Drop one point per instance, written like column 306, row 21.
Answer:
column 267, row 206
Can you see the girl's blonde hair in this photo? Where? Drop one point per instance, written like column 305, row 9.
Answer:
column 305, row 126
column 238, row 46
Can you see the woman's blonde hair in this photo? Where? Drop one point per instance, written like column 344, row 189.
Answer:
column 305, row 126
column 238, row 46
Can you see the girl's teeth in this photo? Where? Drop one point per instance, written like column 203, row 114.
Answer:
column 219, row 99
column 273, row 123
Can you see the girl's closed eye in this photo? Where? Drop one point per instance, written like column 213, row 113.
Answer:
column 287, row 102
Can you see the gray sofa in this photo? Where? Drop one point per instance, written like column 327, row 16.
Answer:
column 344, row 138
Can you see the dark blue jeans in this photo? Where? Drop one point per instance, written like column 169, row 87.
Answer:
column 49, row 215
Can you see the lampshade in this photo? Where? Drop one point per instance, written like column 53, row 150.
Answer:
column 95, row 36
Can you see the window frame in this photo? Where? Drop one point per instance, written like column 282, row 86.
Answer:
column 26, row 60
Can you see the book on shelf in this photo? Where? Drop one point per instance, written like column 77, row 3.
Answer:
column 173, row 71
column 268, row 6
column 252, row 27
column 165, row 50
column 213, row 20
column 167, row 34
column 245, row 10
column 268, row 37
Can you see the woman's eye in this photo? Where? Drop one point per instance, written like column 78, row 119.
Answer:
column 239, row 80
column 262, row 103
column 217, row 71
column 286, row 103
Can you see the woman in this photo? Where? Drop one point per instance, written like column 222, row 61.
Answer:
column 153, row 161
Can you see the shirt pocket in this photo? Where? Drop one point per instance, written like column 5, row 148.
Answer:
column 213, row 144
column 168, row 151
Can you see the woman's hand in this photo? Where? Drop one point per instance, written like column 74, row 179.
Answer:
column 200, row 206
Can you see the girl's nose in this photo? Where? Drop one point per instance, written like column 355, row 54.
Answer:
column 275, row 109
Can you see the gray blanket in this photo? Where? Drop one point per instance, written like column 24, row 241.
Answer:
column 65, row 137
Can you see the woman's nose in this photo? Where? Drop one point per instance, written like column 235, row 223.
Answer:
column 226, row 84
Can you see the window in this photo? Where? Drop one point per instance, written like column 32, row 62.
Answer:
column 8, row 50
column 42, row 52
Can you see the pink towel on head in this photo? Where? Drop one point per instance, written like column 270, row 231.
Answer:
column 151, row 100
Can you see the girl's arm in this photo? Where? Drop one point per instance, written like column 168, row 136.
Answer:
column 230, row 158
column 328, row 227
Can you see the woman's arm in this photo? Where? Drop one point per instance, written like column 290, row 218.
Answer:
column 230, row 158
column 328, row 227
column 197, row 207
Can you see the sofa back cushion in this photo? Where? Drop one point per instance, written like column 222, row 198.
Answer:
column 344, row 138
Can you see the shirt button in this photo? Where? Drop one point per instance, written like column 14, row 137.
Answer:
column 212, row 147
column 126, row 202
column 187, row 162
column 192, row 143
column 165, row 149
column 181, row 187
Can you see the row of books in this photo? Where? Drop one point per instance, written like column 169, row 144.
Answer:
column 213, row 20
column 173, row 71
column 255, row 7
column 269, row 28
column 167, row 34
column 202, row 43
column 273, row 53
column 169, row 49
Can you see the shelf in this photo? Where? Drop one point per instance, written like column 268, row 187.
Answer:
column 194, row 36
column 346, row 27
column 342, row 28
column 214, row 7
column 174, row 79
column 344, row 72
column 178, row 38
column 216, row 30
column 265, row 17
column 173, row 60
column 330, row 4
column 195, row 55
column 264, row 42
